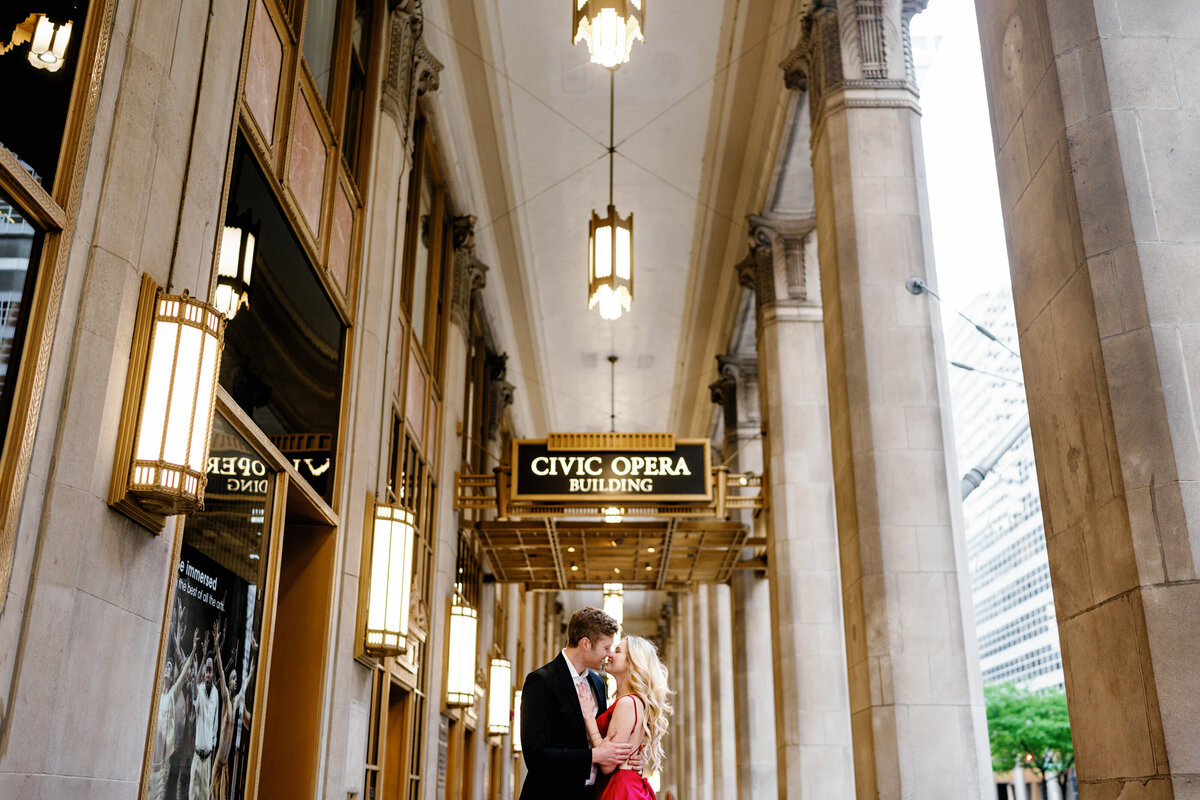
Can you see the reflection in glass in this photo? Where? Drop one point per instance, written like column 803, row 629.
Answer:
column 206, row 695
column 320, row 19
column 38, row 75
column 20, row 247
column 283, row 352
column 421, row 257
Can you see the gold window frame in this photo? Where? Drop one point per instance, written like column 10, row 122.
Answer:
column 56, row 212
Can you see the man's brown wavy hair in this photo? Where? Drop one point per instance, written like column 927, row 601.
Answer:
column 589, row 623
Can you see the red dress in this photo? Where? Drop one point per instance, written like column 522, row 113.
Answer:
column 625, row 784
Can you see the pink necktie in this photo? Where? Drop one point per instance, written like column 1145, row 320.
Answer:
column 587, row 700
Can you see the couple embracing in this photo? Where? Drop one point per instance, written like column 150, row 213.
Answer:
column 578, row 748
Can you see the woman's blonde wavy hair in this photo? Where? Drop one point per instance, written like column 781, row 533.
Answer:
column 647, row 678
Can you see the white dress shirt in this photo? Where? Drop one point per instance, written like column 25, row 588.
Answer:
column 578, row 679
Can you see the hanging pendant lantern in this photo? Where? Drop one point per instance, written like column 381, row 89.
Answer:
column 610, row 27
column 610, row 263
column 47, row 41
column 235, row 267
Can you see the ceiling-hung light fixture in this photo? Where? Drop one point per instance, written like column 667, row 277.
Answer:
column 236, row 266
column 610, row 27
column 499, row 697
column 47, row 41
column 610, row 247
column 460, row 666
column 174, row 425
column 391, row 581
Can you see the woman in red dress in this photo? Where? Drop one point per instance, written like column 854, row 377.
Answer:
column 638, row 715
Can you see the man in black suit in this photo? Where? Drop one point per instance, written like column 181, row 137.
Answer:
column 553, row 738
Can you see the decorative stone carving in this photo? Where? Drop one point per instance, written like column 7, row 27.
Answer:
column 758, row 270
column 793, row 257
column 418, row 614
column 470, row 274
column 872, row 44
column 755, row 270
column 736, row 391
column 411, row 69
column 865, row 31
column 500, row 392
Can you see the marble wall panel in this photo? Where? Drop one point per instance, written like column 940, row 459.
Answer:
column 263, row 71
column 306, row 173
column 341, row 239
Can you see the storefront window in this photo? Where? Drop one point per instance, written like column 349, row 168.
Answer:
column 36, row 99
column 206, row 692
column 20, row 248
column 283, row 354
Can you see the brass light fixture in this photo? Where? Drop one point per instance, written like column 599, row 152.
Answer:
column 47, row 41
column 460, row 665
column 391, row 581
column 610, row 247
column 610, row 27
column 235, row 267
column 516, row 715
column 176, row 395
column 499, row 697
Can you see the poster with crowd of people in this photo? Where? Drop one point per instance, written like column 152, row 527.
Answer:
column 202, row 732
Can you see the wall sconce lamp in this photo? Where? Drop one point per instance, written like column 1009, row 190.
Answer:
column 516, row 715
column 500, row 697
column 166, row 421
column 609, row 27
column 47, row 41
column 391, row 581
column 460, row 663
column 235, row 267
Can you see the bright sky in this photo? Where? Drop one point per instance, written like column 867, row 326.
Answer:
column 964, row 203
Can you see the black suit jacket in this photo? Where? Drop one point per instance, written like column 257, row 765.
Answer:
column 553, row 737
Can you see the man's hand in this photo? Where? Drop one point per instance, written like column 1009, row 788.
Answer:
column 609, row 755
column 635, row 760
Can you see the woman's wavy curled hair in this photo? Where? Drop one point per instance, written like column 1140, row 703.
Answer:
column 647, row 678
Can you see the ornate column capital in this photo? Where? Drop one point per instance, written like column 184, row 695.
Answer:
column 411, row 69
column 470, row 274
column 781, row 266
column 856, row 53
column 736, row 391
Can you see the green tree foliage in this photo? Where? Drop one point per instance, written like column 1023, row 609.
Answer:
column 1031, row 727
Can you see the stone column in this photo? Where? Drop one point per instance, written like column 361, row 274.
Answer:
column 469, row 276
column 915, row 691
column 753, row 682
column 1096, row 120
column 812, row 709
column 723, row 754
column 701, row 649
column 688, row 691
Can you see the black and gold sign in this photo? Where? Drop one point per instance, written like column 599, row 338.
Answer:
column 626, row 475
